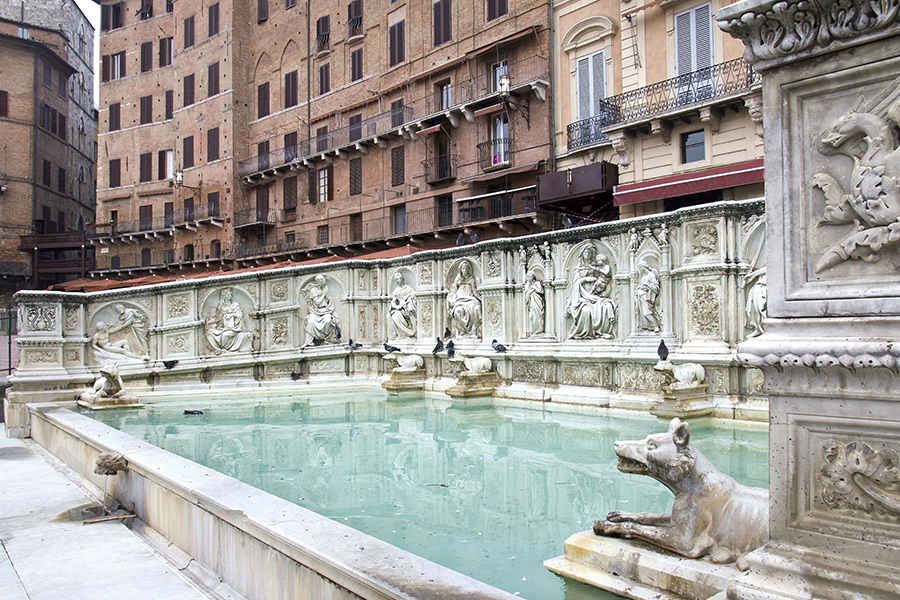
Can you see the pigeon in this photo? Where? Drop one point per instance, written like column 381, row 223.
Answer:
column 447, row 333
column 170, row 363
column 388, row 348
column 663, row 351
column 354, row 346
column 474, row 238
column 567, row 222
column 193, row 412
column 451, row 350
column 318, row 341
column 438, row 347
column 337, row 332
column 497, row 346
column 460, row 240
column 295, row 375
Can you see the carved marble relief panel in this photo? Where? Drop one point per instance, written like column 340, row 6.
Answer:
column 638, row 377
column 703, row 239
column 40, row 317
column 425, row 273
column 72, row 320
column 581, row 374
column 279, row 290
column 41, row 356
column 492, row 266
column 530, row 371
column 704, row 314
column 119, row 331
column 178, row 306
column 334, row 365
column 178, row 344
column 280, row 331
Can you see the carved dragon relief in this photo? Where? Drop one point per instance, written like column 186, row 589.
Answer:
column 857, row 476
column 867, row 133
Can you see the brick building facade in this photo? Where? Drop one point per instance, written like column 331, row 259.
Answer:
column 242, row 132
column 47, row 128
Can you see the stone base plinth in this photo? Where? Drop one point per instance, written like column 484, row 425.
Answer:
column 638, row 571
column 684, row 403
column 106, row 403
column 405, row 381
column 473, row 385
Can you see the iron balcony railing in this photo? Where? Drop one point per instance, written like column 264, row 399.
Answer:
column 354, row 27
column 521, row 74
column 65, row 265
column 495, row 154
column 440, row 168
column 265, row 247
column 499, row 205
column 8, row 269
column 323, row 42
column 202, row 212
column 255, row 217
column 587, row 132
column 136, row 260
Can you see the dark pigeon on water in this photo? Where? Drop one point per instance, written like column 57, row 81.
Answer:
column 169, row 363
column 193, row 412
column 663, row 350
column 438, row 347
column 497, row 346
column 389, row 348
column 353, row 345
column 318, row 341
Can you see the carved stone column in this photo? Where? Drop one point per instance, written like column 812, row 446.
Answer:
column 831, row 101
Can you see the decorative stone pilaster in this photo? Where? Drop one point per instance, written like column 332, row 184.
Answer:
column 829, row 350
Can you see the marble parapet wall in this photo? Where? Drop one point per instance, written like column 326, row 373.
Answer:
column 582, row 307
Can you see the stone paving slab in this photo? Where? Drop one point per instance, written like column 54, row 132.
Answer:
column 48, row 554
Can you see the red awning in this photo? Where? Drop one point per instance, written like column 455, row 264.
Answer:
column 707, row 180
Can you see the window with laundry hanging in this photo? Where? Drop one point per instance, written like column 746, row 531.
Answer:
column 694, row 54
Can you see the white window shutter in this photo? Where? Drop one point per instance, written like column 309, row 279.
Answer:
column 703, row 37
column 584, row 88
column 598, row 69
column 684, row 46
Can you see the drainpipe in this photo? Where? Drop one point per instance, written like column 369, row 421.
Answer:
column 552, row 90
column 308, row 77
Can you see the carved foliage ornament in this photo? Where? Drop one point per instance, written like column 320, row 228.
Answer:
column 71, row 318
column 705, row 309
column 775, row 29
column 857, row 476
column 178, row 306
column 492, row 266
column 41, row 317
column 280, row 332
column 868, row 208
column 705, row 239
column 279, row 290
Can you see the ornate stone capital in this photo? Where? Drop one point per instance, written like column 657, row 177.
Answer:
column 776, row 31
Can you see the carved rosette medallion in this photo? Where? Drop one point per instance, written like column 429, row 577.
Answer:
column 72, row 355
column 178, row 306
column 856, row 476
column 704, row 239
column 362, row 363
column 280, row 332
column 40, row 317
column 279, row 290
column 705, row 310
column 178, row 344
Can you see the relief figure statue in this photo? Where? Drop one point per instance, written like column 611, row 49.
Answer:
column 104, row 346
column 226, row 330
column 402, row 310
column 463, row 303
column 321, row 322
column 756, row 303
column 534, row 302
column 647, row 298
column 593, row 312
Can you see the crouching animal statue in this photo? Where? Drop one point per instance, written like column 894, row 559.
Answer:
column 406, row 362
column 680, row 376
column 475, row 365
column 108, row 385
column 713, row 516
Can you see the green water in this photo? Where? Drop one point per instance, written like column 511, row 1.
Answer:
column 487, row 490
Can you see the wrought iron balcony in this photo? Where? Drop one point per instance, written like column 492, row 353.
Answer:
column 495, row 154
column 255, row 217
column 354, row 27
column 440, row 168
column 323, row 42
column 499, row 205
column 713, row 83
column 198, row 214
column 587, row 132
column 267, row 247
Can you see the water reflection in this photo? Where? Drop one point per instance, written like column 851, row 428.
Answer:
column 487, row 491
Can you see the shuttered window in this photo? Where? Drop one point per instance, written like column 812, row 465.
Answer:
column 398, row 158
column 311, row 182
column 496, row 8
column 322, row 235
column 145, row 214
column 212, row 204
column 146, row 9
column 61, row 179
column 355, row 176
column 356, row 64
column 323, row 32
column 161, row 165
column 290, row 146
column 322, row 139
column 188, row 89
column 324, row 78
column 693, row 40
column 290, row 89
column 262, row 10
column 146, row 109
column 397, row 43
column 212, row 80
column 213, row 19
column 170, row 104
column 290, row 193
column 397, row 113
column 262, row 100
column 591, row 84
column 189, row 32
column 4, row 103
column 146, row 161
column 105, row 67
column 115, row 173
column 166, row 51
column 115, row 117
column 441, row 21
column 326, row 184
column 187, row 154
column 47, row 173
column 355, row 130
column 354, row 18
column 212, row 145
column 146, row 57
